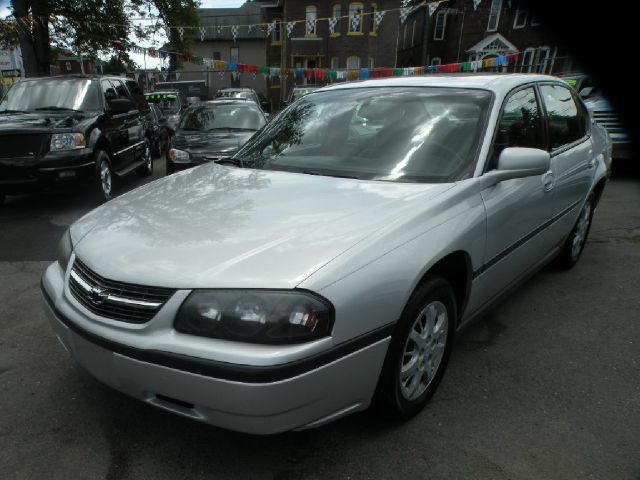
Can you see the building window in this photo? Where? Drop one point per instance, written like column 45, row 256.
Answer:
column 535, row 22
column 217, row 56
column 311, row 16
column 355, row 17
column 353, row 63
column 520, row 17
column 68, row 65
column 374, row 27
column 370, row 63
column 337, row 13
column 335, row 63
column 441, row 23
column 436, row 61
column 234, row 55
column 276, row 33
column 542, row 57
column 494, row 15
column 527, row 60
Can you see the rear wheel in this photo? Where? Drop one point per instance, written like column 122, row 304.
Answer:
column 419, row 350
column 574, row 245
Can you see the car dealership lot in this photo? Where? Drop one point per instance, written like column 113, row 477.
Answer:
column 546, row 386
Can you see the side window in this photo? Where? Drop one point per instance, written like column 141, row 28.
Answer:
column 120, row 89
column 520, row 124
column 108, row 91
column 138, row 95
column 566, row 124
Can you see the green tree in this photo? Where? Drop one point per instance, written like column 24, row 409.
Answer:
column 88, row 27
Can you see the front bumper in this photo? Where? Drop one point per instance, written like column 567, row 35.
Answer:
column 54, row 169
column 253, row 399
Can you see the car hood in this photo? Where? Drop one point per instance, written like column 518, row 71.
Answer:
column 41, row 122
column 203, row 144
column 220, row 226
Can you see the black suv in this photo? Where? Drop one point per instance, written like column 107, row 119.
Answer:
column 56, row 130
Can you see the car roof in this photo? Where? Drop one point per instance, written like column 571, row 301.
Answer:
column 230, row 101
column 173, row 92
column 498, row 83
column 236, row 89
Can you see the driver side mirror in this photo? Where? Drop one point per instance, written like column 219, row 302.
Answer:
column 120, row 105
column 520, row 162
column 586, row 92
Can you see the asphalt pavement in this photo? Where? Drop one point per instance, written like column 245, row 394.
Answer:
column 547, row 386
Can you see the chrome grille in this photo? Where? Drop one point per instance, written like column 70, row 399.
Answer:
column 609, row 120
column 115, row 300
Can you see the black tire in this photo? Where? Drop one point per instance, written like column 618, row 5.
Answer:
column 104, row 179
column 391, row 398
column 156, row 150
column 146, row 169
column 577, row 239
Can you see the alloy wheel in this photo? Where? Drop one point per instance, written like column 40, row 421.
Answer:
column 105, row 179
column 582, row 228
column 424, row 350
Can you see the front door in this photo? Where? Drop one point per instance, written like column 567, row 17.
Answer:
column 518, row 209
column 115, row 130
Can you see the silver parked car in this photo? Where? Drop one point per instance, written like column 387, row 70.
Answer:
column 333, row 264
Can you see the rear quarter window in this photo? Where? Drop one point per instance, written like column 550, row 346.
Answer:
column 565, row 119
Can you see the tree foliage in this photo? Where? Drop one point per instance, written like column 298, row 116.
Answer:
column 90, row 27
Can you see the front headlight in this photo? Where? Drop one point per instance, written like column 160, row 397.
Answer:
column 256, row 316
column 67, row 141
column 65, row 247
column 179, row 156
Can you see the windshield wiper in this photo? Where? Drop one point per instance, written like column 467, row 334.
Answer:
column 311, row 172
column 230, row 161
column 55, row 108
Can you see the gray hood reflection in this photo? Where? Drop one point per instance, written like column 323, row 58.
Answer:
column 219, row 226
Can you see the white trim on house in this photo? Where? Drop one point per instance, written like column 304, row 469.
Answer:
column 520, row 11
column 491, row 45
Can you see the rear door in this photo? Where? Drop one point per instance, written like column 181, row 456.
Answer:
column 518, row 209
column 572, row 156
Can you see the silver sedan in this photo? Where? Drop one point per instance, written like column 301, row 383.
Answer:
column 331, row 262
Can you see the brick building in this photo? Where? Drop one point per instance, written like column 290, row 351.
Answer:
column 353, row 45
column 248, row 47
column 456, row 32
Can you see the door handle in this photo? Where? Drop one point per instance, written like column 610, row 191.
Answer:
column 592, row 161
column 548, row 181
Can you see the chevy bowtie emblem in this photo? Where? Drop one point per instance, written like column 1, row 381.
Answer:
column 98, row 295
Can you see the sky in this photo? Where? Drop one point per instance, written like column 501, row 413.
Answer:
column 159, row 40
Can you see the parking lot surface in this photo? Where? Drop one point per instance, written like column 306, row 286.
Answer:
column 547, row 386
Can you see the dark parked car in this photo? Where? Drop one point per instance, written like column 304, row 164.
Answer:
column 56, row 130
column 158, row 131
column 299, row 92
column 213, row 131
column 244, row 92
column 172, row 103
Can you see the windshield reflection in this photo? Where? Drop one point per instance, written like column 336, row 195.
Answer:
column 404, row 134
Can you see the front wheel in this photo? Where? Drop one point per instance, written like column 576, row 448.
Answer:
column 146, row 168
column 104, row 180
column 419, row 350
column 574, row 244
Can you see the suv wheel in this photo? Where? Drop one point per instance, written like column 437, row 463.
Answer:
column 146, row 168
column 104, row 180
column 419, row 350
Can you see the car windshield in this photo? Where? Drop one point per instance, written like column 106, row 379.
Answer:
column 413, row 134
column 206, row 118
column 53, row 94
column 167, row 102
